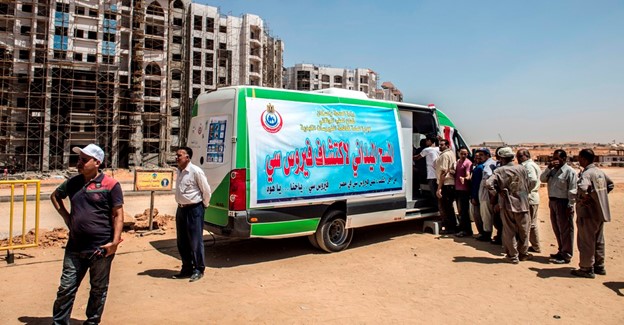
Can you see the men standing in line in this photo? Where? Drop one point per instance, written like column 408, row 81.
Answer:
column 561, row 180
column 524, row 157
column 486, row 208
column 193, row 196
column 95, row 224
column 462, row 189
column 475, row 183
column 431, row 154
column 592, row 208
column 445, row 169
column 511, row 183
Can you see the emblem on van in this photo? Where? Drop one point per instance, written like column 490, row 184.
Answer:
column 271, row 120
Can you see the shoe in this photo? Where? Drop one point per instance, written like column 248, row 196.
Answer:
column 559, row 260
column 558, row 255
column 583, row 274
column 600, row 270
column 534, row 250
column 463, row 234
column 196, row 276
column 497, row 241
column 484, row 237
column 182, row 275
column 512, row 260
column 526, row 257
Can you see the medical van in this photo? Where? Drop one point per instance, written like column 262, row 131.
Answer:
column 285, row 163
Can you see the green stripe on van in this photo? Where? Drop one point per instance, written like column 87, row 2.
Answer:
column 312, row 98
column 284, row 228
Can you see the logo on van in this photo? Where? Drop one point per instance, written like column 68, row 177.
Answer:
column 271, row 120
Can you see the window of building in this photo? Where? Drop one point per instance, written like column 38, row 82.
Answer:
column 6, row 10
column 91, row 58
column 155, row 9
column 209, row 60
column 25, row 30
column 338, row 79
column 223, row 29
column 62, row 7
column 152, row 88
column 154, row 44
column 60, row 55
column 196, row 76
column 108, row 59
column 197, row 58
column 24, row 54
column 110, row 16
column 210, row 24
column 176, row 75
column 92, row 35
column 42, row 10
column 178, row 4
column 222, row 46
column 93, row 13
column 209, row 44
column 77, row 56
column 108, row 37
column 197, row 42
column 79, row 33
column 178, row 22
column 177, row 40
column 176, row 95
column 79, row 10
column 176, row 57
column 197, row 22
column 58, row 30
column 152, row 29
column 208, row 78
column 27, row 8
column 222, row 81
column 196, row 92
column 152, row 69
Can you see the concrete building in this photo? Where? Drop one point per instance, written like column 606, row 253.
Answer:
column 309, row 77
column 123, row 74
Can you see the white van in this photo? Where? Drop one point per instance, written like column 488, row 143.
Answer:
column 287, row 163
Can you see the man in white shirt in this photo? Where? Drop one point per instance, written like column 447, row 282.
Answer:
column 431, row 154
column 193, row 196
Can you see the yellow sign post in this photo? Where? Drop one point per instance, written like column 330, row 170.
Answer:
column 153, row 180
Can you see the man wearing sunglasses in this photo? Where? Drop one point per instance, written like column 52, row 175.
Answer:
column 95, row 223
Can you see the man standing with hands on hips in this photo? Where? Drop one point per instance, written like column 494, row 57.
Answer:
column 95, row 223
column 193, row 196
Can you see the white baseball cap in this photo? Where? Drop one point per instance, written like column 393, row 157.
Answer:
column 91, row 150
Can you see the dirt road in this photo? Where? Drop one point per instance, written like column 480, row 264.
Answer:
column 391, row 274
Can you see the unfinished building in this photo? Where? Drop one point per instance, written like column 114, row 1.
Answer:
column 122, row 74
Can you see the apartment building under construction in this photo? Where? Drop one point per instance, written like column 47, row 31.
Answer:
column 121, row 73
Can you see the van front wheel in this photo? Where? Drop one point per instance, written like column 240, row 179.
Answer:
column 333, row 234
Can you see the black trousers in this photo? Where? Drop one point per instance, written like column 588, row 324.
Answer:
column 463, row 201
column 189, row 233
column 448, row 211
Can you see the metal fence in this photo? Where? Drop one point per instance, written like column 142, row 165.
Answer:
column 9, row 187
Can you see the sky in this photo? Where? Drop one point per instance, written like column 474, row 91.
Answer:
column 524, row 71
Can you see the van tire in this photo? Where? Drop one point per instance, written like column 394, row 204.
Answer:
column 313, row 242
column 333, row 235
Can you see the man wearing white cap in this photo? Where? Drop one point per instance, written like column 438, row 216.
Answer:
column 511, row 182
column 95, row 223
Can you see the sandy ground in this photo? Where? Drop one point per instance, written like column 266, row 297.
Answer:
column 391, row 274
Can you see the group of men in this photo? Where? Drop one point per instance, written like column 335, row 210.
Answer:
column 504, row 196
column 95, row 224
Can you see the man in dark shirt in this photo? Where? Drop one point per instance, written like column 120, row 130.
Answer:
column 95, row 223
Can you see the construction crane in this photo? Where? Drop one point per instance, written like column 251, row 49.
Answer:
column 501, row 139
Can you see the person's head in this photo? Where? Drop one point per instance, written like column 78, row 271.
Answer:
column 423, row 143
column 496, row 153
column 505, row 155
column 444, row 144
column 586, row 157
column 478, row 157
column 463, row 153
column 431, row 140
column 559, row 158
column 183, row 157
column 89, row 160
column 523, row 155
column 485, row 153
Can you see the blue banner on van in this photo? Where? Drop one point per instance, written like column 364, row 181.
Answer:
column 311, row 151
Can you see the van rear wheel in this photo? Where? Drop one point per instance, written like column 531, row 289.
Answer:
column 333, row 234
column 313, row 242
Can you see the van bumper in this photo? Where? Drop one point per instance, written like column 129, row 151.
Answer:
column 237, row 226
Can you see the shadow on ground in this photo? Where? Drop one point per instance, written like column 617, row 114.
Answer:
column 616, row 287
column 29, row 320
column 478, row 259
column 225, row 252
column 562, row 272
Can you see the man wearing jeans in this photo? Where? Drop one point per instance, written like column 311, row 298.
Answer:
column 193, row 196
column 561, row 180
column 95, row 223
